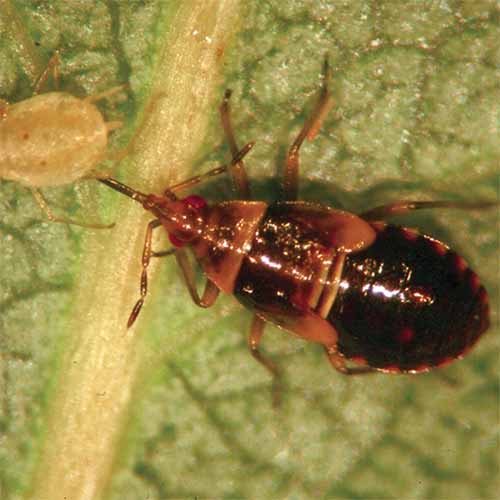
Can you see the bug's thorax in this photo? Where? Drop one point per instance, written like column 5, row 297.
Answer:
column 220, row 235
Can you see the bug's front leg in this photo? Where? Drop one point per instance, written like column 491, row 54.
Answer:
column 309, row 131
column 256, row 332
column 146, row 257
column 405, row 206
column 210, row 293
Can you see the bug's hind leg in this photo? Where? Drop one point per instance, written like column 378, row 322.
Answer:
column 405, row 206
column 256, row 332
column 238, row 172
column 42, row 202
column 309, row 131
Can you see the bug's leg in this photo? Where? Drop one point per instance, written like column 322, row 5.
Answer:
column 237, row 170
column 210, row 293
column 42, row 202
column 309, row 131
column 164, row 253
column 52, row 66
column 256, row 332
column 312, row 327
column 405, row 206
column 338, row 362
column 146, row 257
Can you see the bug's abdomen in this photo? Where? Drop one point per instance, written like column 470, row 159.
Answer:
column 407, row 303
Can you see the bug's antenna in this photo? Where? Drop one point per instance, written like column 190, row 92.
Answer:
column 124, row 189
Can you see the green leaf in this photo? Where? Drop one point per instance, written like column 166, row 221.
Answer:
column 176, row 407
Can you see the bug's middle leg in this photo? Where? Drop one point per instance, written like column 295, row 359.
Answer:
column 309, row 131
column 210, row 293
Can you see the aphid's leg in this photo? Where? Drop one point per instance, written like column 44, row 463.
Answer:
column 338, row 362
column 402, row 207
column 237, row 170
column 210, row 293
column 105, row 94
column 309, row 131
column 52, row 65
column 256, row 332
column 110, row 126
column 42, row 202
column 146, row 257
column 198, row 179
column 4, row 108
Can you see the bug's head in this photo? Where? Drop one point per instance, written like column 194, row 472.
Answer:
column 184, row 219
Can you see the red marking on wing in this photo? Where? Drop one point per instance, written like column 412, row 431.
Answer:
column 474, row 282
column 405, row 335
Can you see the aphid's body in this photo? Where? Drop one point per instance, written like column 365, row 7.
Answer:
column 51, row 139
column 384, row 297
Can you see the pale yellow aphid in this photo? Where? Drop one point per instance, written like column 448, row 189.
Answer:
column 53, row 139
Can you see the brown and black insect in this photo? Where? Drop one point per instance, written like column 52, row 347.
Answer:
column 379, row 296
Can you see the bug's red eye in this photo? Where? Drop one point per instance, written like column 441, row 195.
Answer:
column 195, row 201
column 177, row 242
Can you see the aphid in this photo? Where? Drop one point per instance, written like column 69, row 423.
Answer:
column 53, row 138
column 376, row 296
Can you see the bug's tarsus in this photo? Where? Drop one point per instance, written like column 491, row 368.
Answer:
column 146, row 258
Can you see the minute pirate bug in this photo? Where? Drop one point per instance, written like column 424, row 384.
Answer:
column 379, row 296
column 53, row 138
